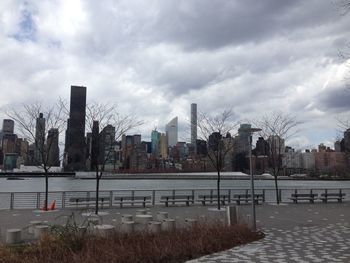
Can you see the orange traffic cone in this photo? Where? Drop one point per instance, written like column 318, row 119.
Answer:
column 53, row 205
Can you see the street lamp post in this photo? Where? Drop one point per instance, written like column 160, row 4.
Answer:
column 251, row 131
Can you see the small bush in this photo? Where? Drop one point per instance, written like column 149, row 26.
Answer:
column 173, row 246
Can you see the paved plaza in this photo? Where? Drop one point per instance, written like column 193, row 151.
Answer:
column 294, row 232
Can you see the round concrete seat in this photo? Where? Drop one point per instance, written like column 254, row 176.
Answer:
column 126, row 218
column 39, row 230
column 128, row 227
column 162, row 215
column 143, row 219
column 32, row 225
column 13, row 236
column 154, row 226
column 104, row 230
column 168, row 224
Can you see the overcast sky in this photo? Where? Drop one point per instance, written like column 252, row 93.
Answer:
column 154, row 58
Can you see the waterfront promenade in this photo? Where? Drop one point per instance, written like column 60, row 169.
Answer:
column 294, row 232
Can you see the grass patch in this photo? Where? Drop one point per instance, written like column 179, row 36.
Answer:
column 172, row 246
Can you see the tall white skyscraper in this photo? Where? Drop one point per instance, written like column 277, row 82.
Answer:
column 193, row 124
column 172, row 132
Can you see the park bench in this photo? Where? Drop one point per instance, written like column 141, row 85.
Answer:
column 87, row 201
column 132, row 200
column 325, row 197
column 213, row 198
column 247, row 198
column 303, row 197
column 187, row 199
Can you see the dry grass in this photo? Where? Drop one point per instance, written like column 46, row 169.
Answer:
column 174, row 246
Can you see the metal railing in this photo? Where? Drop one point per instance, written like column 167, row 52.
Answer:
column 63, row 199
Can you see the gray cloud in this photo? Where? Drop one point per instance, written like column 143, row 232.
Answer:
column 335, row 99
column 156, row 57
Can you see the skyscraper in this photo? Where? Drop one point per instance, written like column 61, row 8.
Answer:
column 243, row 143
column 194, row 124
column 75, row 135
column 172, row 132
column 347, row 140
column 39, row 139
column 163, row 148
column 155, row 137
column 8, row 126
column 95, row 145
column 52, row 148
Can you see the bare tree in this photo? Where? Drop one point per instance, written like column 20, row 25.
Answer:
column 276, row 129
column 216, row 131
column 41, row 125
column 343, row 6
column 107, row 126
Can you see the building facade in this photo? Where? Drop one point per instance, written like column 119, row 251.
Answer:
column 171, row 130
column 75, row 159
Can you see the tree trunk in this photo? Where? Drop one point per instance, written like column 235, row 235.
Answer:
column 218, row 189
column 276, row 187
column 97, row 191
column 46, row 189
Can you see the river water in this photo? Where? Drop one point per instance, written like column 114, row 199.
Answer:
column 69, row 184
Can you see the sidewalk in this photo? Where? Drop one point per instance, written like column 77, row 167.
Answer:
column 294, row 232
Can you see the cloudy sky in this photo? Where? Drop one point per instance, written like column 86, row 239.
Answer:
column 153, row 58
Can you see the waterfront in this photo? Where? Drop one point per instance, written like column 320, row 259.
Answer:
column 69, row 184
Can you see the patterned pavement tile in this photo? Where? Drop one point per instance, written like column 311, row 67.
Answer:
column 329, row 243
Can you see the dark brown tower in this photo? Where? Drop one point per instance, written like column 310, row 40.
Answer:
column 75, row 135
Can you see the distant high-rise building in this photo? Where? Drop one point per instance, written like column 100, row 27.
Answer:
column 107, row 153
column 262, row 147
column 52, row 147
column 75, row 135
column 347, row 140
column 194, row 124
column 163, row 146
column 276, row 145
column 155, row 137
column 39, row 139
column 95, row 144
column 337, row 146
column 322, row 147
column 172, row 132
column 8, row 126
column 242, row 140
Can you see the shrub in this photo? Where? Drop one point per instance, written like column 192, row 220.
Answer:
column 172, row 246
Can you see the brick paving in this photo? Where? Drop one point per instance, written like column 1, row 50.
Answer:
column 295, row 233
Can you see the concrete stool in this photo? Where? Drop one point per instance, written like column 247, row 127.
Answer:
column 154, row 226
column 13, row 236
column 128, row 227
column 143, row 219
column 32, row 225
column 141, row 212
column 104, row 230
column 126, row 218
column 168, row 224
column 162, row 215
column 40, row 230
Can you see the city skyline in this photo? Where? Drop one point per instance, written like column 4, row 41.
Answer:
column 155, row 63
